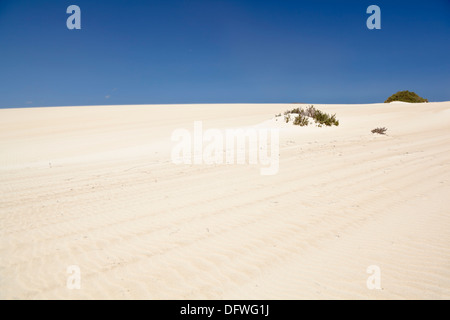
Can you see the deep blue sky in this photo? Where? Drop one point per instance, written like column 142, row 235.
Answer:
column 208, row 51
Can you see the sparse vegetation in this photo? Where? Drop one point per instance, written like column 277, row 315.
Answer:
column 379, row 130
column 303, row 115
column 325, row 119
column 295, row 110
column 406, row 96
column 310, row 111
column 301, row 120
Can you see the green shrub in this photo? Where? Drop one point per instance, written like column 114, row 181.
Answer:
column 318, row 116
column 406, row 96
column 301, row 120
column 325, row 119
column 295, row 110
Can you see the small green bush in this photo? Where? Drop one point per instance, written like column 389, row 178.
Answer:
column 301, row 120
column 406, row 96
column 295, row 110
column 319, row 117
column 325, row 118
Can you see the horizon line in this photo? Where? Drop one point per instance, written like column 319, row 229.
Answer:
column 204, row 103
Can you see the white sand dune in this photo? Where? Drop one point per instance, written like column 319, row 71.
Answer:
column 95, row 187
column 402, row 102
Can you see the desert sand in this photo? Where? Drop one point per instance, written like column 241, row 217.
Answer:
column 95, row 187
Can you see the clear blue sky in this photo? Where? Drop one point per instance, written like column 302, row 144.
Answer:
column 208, row 51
